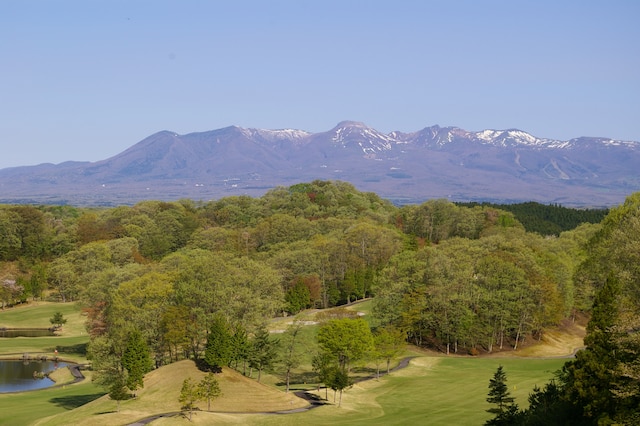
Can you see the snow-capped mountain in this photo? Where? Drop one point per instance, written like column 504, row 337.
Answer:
column 497, row 165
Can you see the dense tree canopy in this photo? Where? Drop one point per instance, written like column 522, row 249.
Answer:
column 453, row 277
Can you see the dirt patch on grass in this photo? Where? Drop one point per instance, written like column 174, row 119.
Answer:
column 558, row 342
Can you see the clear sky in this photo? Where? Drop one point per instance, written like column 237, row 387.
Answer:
column 83, row 80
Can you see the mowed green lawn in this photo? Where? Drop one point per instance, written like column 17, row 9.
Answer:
column 433, row 390
column 69, row 340
column 25, row 408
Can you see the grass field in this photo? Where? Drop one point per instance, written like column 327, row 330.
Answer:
column 70, row 340
column 432, row 390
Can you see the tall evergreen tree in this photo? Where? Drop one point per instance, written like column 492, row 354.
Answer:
column 505, row 409
column 588, row 380
column 263, row 351
column 118, row 389
column 136, row 360
column 218, row 351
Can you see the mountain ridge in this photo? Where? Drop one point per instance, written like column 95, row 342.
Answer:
column 435, row 162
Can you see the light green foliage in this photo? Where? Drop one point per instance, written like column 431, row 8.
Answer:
column 389, row 342
column 118, row 389
column 263, row 351
column 241, row 290
column 347, row 340
column 470, row 293
column 177, row 330
column 140, row 303
column 190, row 394
column 209, row 388
column 289, row 350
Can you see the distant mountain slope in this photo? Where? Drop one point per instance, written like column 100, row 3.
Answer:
column 435, row 162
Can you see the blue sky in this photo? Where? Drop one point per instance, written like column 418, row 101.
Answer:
column 83, row 80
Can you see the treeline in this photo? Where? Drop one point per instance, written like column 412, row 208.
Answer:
column 601, row 385
column 551, row 219
column 452, row 276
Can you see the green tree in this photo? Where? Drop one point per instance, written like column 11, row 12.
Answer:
column 176, row 322
column 190, row 394
column 589, row 379
column 338, row 381
column 347, row 339
column 58, row 320
column 136, row 360
column 263, row 351
column 240, row 347
column 209, row 388
column 324, row 365
column 290, row 358
column 505, row 409
column 218, row 350
column 297, row 297
column 389, row 342
column 118, row 390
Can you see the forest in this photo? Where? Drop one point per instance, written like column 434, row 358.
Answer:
column 174, row 278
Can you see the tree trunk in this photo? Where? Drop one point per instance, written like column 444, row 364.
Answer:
column 288, row 375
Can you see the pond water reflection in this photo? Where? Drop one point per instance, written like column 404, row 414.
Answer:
column 26, row 332
column 18, row 376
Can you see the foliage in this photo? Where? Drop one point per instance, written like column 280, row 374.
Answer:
column 338, row 381
column 189, row 395
column 298, row 297
column 118, row 390
column 290, row 357
column 136, row 360
column 58, row 319
column 209, row 388
column 505, row 409
column 219, row 348
column 346, row 340
column 389, row 342
column 601, row 385
column 453, row 277
column 262, row 352
column 552, row 219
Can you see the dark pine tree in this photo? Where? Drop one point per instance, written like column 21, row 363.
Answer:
column 136, row 359
column 219, row 349
column 505, row 409
column 589, row 378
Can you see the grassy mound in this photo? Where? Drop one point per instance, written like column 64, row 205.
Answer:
column 160, row 395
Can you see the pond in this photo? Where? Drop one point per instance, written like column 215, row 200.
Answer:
column 26, row 332
column 18, row 375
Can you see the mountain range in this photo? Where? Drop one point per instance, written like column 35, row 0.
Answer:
column 435, row 162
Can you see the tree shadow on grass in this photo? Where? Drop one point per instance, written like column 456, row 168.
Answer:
column 307, row 377
column 80, row 349
column 75, row 401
